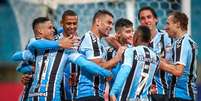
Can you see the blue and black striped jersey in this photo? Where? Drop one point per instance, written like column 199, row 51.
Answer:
column 91, row 85
column 185, row 51
column 161, row 44
column 136, row 74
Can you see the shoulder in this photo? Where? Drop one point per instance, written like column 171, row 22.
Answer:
column 86, row 36
column 163, row 33
column 188, row 39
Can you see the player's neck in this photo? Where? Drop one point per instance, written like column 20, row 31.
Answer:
column 95, row 32
column 67, row 34
column 180, row 33
column 153, row 33
column 144, row 44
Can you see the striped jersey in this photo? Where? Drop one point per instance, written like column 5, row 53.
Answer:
column 161, row 44
column 136, row 74
column 71, row 71
column 48, row 75
column 185, row 51
column 91, row 85
column 111, row 52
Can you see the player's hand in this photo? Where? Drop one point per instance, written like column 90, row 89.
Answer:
column 113, row 98
column 111, row 40
column 25, row 79
column 153, row 89
column 66, row 42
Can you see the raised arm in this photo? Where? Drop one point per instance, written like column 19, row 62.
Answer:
column 119, row 81
column 66, row 42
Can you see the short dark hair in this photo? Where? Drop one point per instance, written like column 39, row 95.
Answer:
column 147, row 8
column 122, row 22
column 100, row 13
column 181, row 18
column 68, row 13
column 39, row 20
column 145, row 33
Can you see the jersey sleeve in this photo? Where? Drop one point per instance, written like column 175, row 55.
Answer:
column 43, row 44
column 120, row 79
column 123, row 72
column 88, row 66
column 24, row 67
column 25, row 55
column 182, row 51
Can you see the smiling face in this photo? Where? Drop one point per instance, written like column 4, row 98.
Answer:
column 69, row 24
column 46, row 30
column 148, row 19
column 171, row 27
column 105, row 25
column 125, row 35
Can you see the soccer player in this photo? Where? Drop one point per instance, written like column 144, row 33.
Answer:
column 137, row 71
column 27, row 67
column 123, row 37
column 91, row 87
column 183, row 69
column 161, row 44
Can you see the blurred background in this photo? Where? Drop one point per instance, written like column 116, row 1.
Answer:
column 16, row 18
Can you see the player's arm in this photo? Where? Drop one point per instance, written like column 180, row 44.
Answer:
column 66, row 42
column 181, row 59
column 24, row 55
column 123, row 72
column 111, row 40
column 120, row 79
column 176, row 70
column 25, row 79
column 89, row 66
column 112, row 62
column 25, row 67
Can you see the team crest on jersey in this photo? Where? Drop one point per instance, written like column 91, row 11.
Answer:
column 110, row 49
column 178, row 45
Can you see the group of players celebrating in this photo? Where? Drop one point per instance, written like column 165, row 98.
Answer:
column 145, row 64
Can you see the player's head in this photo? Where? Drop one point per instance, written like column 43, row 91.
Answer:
column 69, row 22
column 124, row 31
column 103, row 21
column 43, row 28
column 148, row 17
column 176, row 22
column 142, row 35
